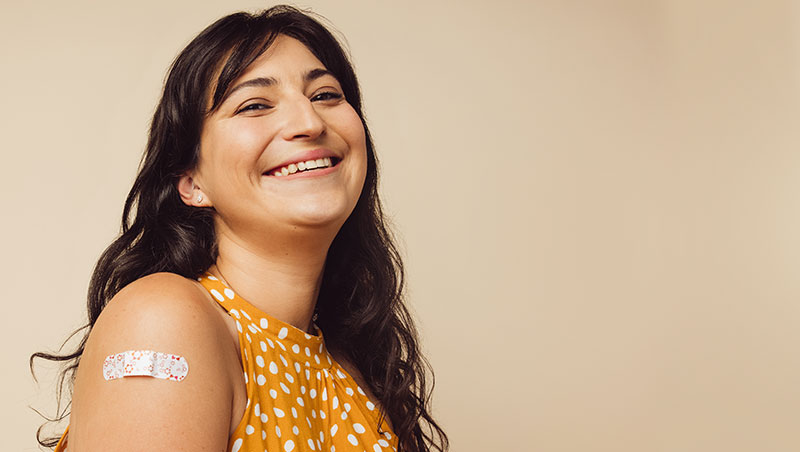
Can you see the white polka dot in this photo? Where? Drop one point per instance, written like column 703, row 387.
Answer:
column 257, row 409
column 359, row 428
column 212, row 277
column 219, row 297
column 238, row 326
column 312, row 393
column 322, row 414
column 340, row 374
column 273, row 393
column 311, row 444
column 324, row 393
column 285, row 388
column 316, row 358
column 249, row 429
column 252, row 328
column 308, row 373
column 296, row 348
column 228, row 293
column 347, row 407
column 264, row 324
column 294, row 413
column 300, row 401
column 322, row 437
column 248, row 337
column 235, row 313
column 288, row 446
column 246, row 315
column 370, row 405
column 360, row 391
column 308, row 421
column 349, row 391
column 314, row 413
column 308, row 352
column 277, row 431
column 289, row 377
column 270, row 343
column 334, row 429
column 352, row 439
column 280, row 344
column 273, row 368
column 237, row 445
column 376, row 448
column 263, row 434
column 335, row 402
column 282, row 333
column 283, row 360
column 297, row 368
column 263, row 346
column 295, row 430
column 333, row 448
column 264, row 418
column 344, row 415
column 245, row 378
column 260, row 361
column 387, row 435
column 319, row 446
column 302, row 389
column 383, row 443
column 261, row 380
column 278, row 412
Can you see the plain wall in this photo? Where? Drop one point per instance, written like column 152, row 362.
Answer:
column 598, row 202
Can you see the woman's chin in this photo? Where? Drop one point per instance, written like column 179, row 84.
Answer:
column 324, row 216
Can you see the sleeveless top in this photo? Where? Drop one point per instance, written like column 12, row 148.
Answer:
column 298, row 397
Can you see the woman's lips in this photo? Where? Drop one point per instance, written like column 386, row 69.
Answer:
column 305, row 157
column 303, row 166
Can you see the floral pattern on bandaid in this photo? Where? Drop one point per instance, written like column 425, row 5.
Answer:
column 145, row 363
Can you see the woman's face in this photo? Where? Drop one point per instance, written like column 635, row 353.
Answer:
column 284, row 150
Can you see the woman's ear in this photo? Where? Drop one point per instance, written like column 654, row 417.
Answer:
column 191, row 194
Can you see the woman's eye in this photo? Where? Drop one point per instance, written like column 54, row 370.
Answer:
column 327, row 95
column 253, row 107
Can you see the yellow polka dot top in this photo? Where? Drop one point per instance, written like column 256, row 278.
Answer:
column 298, row 397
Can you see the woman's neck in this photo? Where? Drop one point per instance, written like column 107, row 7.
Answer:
column 282, row 282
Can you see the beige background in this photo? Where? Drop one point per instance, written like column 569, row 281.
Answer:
column 599, row 203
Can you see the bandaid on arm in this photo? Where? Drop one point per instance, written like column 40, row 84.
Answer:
column 147, row 363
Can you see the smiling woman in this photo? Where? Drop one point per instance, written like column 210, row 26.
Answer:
column 253, row 226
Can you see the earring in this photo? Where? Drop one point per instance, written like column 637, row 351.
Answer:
column 199, row 198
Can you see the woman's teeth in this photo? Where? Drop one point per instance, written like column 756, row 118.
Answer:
column 303, row 166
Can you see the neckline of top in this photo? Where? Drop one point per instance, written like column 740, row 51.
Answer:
column 250, row 318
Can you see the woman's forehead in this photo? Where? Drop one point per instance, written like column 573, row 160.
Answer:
column 284, row 57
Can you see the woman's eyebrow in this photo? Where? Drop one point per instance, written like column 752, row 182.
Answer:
column 263, row 82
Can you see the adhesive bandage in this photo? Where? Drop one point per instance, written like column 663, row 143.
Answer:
column 145, row 363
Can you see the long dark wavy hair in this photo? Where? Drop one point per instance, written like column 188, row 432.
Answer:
column 360, row 306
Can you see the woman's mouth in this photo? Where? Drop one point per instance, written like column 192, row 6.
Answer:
column 304, row 166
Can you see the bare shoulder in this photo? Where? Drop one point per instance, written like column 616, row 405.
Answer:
column 164, row 305
column 168, row 314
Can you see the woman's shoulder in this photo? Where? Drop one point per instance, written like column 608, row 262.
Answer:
column 159, row 307
column 159, row 315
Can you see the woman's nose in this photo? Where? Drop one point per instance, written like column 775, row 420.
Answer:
column 302, row 120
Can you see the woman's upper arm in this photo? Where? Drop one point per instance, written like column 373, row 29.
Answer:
column 163, row 313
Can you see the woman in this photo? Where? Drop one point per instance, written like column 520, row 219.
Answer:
column 253, row 226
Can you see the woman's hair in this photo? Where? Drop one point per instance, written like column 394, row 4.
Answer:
column 360, row 305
